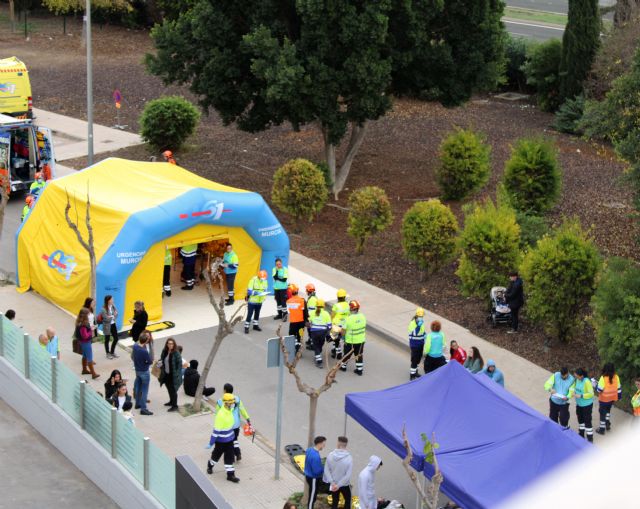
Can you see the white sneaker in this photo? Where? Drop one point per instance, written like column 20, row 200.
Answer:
column 115, row 355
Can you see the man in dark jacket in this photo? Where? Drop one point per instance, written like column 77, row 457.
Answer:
column 515, row 299
column 191, row 380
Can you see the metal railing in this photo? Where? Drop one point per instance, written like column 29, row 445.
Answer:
column 148, row 464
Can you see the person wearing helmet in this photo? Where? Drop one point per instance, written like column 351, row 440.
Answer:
column 257, row 292
column 319, row 326
column 168, row 157
column 280, row 276
column 311, row 308
column 37, row 185
column 339, row 314
column 355, row 329
column 417, row 334
column 223, row 437
column 239, row 411
column 298, row 314
column 230, row 264
column 29, row 202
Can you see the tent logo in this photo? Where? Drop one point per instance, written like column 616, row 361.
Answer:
column 211, row 208
column 61, row 262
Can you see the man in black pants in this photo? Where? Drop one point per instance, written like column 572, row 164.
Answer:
column 515, row 299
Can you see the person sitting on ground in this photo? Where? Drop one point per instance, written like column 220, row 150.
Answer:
column 127, row 412
column 10, row 314
column 493, row 372
column 367, row 484
column 111, row 385
column 120, row 397
column 192, row 379
column 474, row 362
column 54, row 345
column 457, row 353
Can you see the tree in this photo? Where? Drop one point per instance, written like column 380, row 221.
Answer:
column 429, row 499
column 532, row 176
column 542, row 70
column 560, row 275
column 86, row 244
column 489, row 246
column 616, row 318
column 580, row 43
column 369, row 213
column 625, row 11
column 225, row 326
column 465, row 164
column 261, row 63
column 70, row 6
column 299, row 189
column 167, row 122
column 428, row 234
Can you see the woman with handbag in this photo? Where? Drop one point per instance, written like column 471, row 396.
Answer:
column 90, row 304
column 170, row 364
column 83, row 335
column 107, row 318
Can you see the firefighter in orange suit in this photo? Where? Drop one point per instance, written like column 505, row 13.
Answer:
column 298, row 314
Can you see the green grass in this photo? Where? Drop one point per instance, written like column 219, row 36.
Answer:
column 534, row 15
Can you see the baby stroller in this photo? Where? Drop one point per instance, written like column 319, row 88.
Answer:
column 500, row 311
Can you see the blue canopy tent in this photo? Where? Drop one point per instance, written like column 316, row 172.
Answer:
column 491, row 443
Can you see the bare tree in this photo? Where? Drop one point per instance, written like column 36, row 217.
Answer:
column 339, row 174
column 225, row 326
column 429, row 498
column 313, row 393
column 88, row 244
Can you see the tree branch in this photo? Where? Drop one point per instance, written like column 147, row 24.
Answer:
column 429, row 499
column 73, row 225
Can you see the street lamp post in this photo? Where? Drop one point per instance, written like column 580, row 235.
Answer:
column 89, row 88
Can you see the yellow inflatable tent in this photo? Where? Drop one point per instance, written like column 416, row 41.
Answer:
column 138, row 210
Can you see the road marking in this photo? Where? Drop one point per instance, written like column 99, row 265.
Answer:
column 533, row 25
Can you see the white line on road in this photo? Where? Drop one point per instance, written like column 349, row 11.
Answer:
column 533, row 25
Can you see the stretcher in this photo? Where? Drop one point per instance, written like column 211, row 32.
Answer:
column 152, row 327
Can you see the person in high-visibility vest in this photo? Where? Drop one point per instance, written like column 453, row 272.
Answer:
column 29, row 203
column 560, row 385
column 280, row 276
column 257, row 292
column 339, row 314
column 609, row 391
column 188, row 253
column 417, row 334
column 635, row 399
column 166, row 276
column 298, row 314
column 355, row 332
column 434, row 346
column 37, row 185
column 230, row 264
column 223, row 436
column 239, row 411
column 311, row 308
column 319, row 326
column 582, row 391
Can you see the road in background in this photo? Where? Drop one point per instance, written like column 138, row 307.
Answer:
column 533, row 30
column 550, row 5
column 33, row 473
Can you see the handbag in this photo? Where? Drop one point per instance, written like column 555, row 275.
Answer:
column 75, row 344
column 155, row 370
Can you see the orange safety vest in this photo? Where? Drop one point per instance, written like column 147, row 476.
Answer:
column 610, row 392
column 295, row 307
column 636, row 401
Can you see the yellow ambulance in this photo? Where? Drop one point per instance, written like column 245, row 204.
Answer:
column 15, row 89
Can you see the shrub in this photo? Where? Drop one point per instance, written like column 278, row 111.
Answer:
column 616, row 318
column 490, row 248
column 532, row 176
column 299, row 189
column 542, row 72
column 168, row 121
column 532, row 228
column 465, row 164
column 560, row 276
column 569, row 115
column 370, row 212
column 324, row 168
column 516, row 50
column 428, row 234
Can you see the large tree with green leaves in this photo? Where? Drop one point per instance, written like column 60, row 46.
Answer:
column 260, row 63
column 580, row 44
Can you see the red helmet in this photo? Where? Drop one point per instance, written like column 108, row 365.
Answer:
column 294, row 288
column 29, row 199
column 354, row 305
column 310, row 288
column 262, row 274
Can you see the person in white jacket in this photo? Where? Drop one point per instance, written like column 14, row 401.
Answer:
column 367, row 484
column 337, row 473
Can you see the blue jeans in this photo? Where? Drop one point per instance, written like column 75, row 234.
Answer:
column 141, row 388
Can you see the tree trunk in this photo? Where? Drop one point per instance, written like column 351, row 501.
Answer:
column 12, row 14
column 92, row 260
column 313, row 410
column 197, row 402
column 339, row 176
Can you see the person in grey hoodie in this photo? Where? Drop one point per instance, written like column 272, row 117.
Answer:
column 337, row 473
column 367, row 484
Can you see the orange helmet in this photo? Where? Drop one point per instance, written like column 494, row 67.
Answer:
column 167, row 153
column 29, row 199
column 38, row 175
column 262, row 274
column 294, row 288
column 310, row 288
column 354, row 305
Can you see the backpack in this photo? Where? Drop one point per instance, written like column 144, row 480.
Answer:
column 99, row 319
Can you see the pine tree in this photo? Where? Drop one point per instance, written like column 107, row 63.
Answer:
column 579, row 46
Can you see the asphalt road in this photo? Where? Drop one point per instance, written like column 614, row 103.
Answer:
column 533, row 30
column 549, row 5
column 7, row 239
